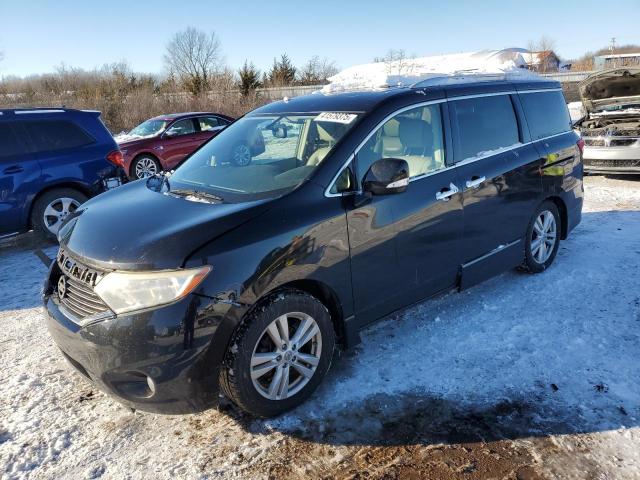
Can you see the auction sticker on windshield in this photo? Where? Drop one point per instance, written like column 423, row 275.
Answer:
column 337, row 117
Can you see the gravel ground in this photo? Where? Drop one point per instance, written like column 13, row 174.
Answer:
column 524, row 376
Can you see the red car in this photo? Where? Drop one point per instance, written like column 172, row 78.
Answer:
column 160, row 143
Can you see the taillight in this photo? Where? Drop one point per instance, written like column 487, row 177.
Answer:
column 581, row 145
column 116, row 158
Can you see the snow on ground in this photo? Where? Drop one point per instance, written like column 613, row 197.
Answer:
column 407, row 71
column 523, row 375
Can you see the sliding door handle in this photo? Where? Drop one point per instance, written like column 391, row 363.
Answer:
column 475, row 181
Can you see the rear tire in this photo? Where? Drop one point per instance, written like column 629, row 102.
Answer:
column 51, row 209
column 279, row 354
column 543, row 238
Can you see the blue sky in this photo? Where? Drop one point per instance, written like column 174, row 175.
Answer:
column 37, row 35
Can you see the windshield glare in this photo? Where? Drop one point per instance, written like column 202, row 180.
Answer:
column 150, row 128
column 263, row 155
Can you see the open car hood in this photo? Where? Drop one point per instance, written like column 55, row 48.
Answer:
column 617, row 86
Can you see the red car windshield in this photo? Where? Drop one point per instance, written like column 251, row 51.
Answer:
column 150, row 128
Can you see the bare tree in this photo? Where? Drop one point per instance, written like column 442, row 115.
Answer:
column 194, row 57
column 397, row 62
column 317, row 70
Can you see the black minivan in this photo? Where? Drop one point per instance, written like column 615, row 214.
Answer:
column 245, row 278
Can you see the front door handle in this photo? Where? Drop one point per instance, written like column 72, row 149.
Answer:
column 13, row 169
column 475, row 181
column 445, row 193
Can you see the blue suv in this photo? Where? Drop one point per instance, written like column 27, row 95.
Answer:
column 51, row 161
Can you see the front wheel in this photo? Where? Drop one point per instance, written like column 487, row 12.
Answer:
column 279, row 354
column 543, row 238
column 145, row 166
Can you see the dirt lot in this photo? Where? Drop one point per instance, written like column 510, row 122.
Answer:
column 525, row 376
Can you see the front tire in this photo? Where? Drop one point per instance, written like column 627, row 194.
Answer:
column 279, row 354
column 543, row 238
column 145, row 166
column 51, row 209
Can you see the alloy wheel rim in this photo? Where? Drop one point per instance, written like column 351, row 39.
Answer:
column 286, row 356
column 57, row 211
column 543, row 236
column 146, row 167
column 241, row 155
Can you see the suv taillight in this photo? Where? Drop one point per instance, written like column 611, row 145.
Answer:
column 581, row 145
column 116, row 158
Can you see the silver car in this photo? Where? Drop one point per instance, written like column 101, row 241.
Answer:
column 611, row 125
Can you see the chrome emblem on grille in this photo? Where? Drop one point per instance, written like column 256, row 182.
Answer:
column 62, row 287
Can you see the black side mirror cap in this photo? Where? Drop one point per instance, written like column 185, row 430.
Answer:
column 386, row 176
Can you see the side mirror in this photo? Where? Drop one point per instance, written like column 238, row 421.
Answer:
column 385, row 176
column 279, row 131
column 169, row 134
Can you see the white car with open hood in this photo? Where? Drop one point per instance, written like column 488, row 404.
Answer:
column 611, row 125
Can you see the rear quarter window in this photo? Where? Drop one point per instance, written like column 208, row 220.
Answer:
column 53, row 135
column 483, row 125
column 546, row 112
column 10, row 143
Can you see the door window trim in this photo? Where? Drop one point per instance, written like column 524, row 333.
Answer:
column 327, row 192
column 446, row 128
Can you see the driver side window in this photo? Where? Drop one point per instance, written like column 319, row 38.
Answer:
column 181, row 127
column 413, row 135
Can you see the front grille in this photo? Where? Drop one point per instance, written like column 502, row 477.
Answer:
column 594, row 142
column 623, row 142
column 75, row 287
column 611, row 163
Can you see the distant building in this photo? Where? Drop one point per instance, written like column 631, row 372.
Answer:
column 603, row 62
column 542, row 62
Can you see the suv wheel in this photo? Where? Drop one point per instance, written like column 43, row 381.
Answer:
column 52, row 208
column 145, row 166
column 241, row 155
column 543, row 238
column 279, row 354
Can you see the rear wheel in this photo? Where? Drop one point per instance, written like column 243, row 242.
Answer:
column 145, row 166
column 543, row 238
column 279, row 354
column 52, row 208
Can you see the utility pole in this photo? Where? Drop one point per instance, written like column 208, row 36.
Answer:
column 612, row 47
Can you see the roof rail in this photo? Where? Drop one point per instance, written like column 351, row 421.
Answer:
column 464, row 76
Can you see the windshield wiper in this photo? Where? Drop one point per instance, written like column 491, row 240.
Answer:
column 198, row 194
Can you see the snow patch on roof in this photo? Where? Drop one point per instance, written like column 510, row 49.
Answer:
column 408, row 71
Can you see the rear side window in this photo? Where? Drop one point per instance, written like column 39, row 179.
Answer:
column 208, row 123
column 546, row 113
column 484, row 124
column 10, row 142
column 52, row 135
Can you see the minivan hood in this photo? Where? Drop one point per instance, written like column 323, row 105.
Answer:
column 618, row 86
column 135, row 228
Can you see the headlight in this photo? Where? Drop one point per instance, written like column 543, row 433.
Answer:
column 128, row 291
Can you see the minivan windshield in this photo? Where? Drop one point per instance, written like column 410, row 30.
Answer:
column 262, row 156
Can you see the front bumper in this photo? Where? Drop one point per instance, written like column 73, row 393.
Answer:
column 163, row 361
column 613, row 160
